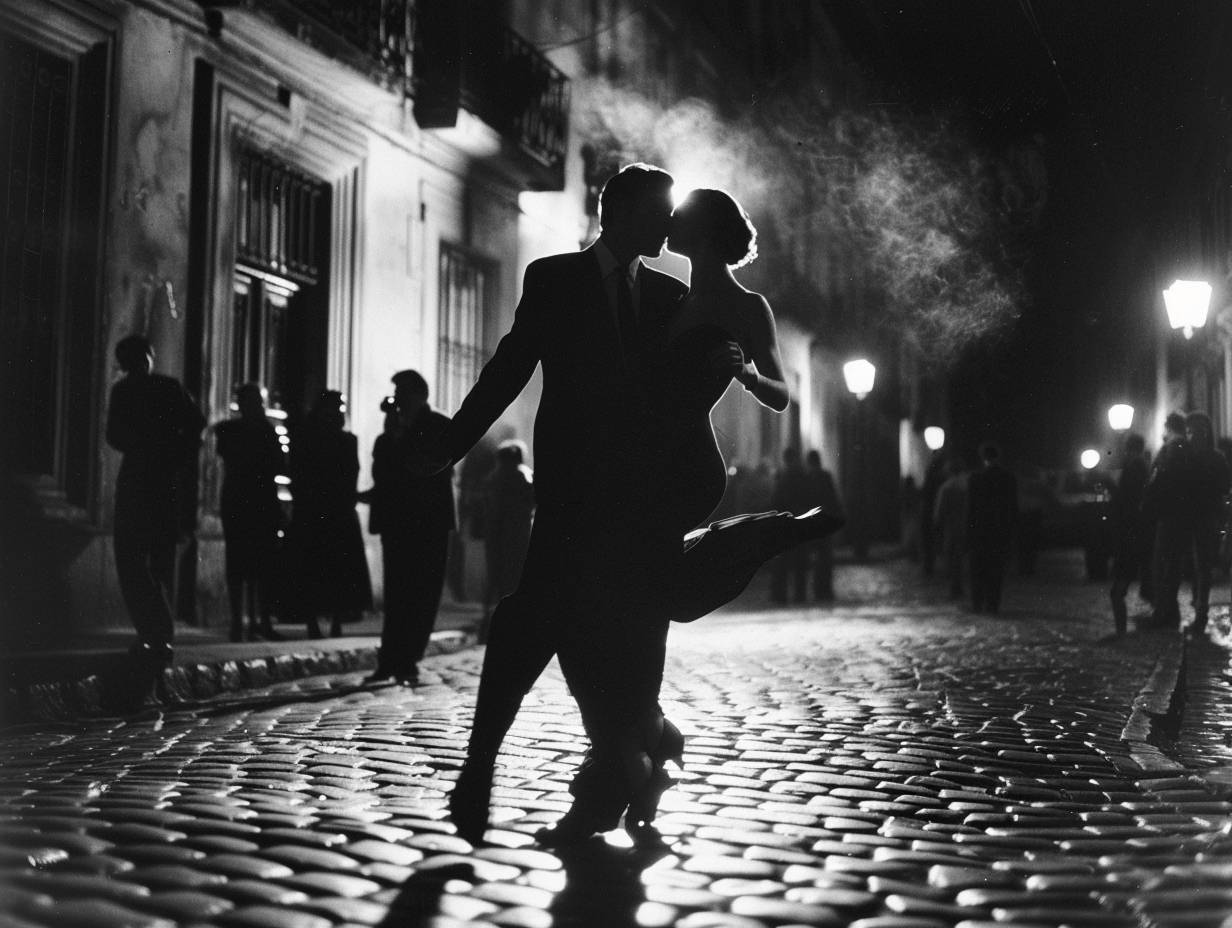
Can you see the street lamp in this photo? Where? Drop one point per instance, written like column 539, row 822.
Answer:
column 1120, row 417
column 934, row 437
column 1089, row 459
column 860, row 374
column 1187, row 302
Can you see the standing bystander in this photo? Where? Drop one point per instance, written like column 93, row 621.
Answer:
column 822, row 492
column 1210, row 480
column 414, row 515
column 992, row 508
column 1129, row 548
column 1168, row 503
column 155, row 424
column 950, row 523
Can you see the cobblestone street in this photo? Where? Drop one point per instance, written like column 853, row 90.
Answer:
column 890, row 762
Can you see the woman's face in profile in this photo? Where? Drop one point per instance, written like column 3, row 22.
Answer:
column 684, row 234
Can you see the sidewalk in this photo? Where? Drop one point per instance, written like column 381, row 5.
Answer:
column 95, row 675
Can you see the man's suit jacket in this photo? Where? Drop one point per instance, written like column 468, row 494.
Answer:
column 564, row 322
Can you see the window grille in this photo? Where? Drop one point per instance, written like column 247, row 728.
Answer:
column 281, row 212
column 465, row 291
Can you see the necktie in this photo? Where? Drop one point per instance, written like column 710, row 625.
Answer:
column 625, row 318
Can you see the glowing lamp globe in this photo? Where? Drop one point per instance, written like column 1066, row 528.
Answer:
column 859, row 375
column 1120, row 417
column 934, row 437
column 1089, row 459
column 1187, row 302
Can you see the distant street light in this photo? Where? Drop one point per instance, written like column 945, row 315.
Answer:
column 934, row 437
column 860, row 375
column 1187, row 302
column 1090, row 459
column 1121, row 417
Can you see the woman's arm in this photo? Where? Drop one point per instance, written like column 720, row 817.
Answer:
column 763, row 377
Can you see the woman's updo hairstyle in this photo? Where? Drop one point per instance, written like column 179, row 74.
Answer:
column 722, row 222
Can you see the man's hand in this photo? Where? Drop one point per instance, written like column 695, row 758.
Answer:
column 727, row 359
column 429, row 458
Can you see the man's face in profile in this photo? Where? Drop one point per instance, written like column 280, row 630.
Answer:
column 651, row 219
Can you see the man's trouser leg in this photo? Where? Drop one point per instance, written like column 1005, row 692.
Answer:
column 428, row 554
column 135, row 554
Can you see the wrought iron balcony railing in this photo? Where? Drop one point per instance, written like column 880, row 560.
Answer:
column 443, row 54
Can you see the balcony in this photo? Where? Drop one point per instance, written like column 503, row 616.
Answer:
column 443, row 55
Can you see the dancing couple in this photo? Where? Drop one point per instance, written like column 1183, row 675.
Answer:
column 626, row 469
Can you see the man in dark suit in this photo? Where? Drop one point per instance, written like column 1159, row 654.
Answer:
column 587, row 317
column 992, row 509
column 414, row 514
column 157, row 426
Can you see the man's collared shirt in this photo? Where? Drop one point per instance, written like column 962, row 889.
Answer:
column 609, row 268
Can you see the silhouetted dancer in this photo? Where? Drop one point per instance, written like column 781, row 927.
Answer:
column 330, row 569
column 252, row 459
column 1126, row 525
column 992, row 510
column 155, row 424
column 597, row 442
column 413, row 512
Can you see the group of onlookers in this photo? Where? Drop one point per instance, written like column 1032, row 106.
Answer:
column 305, row 560
column 1168, row 521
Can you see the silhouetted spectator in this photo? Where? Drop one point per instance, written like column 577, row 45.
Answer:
column 950, row 523
column 331, row 571
column 1168, row 503
column 1209, row 485
column 155, row 424
column 1129, row 544
column 509, row 509
column 822, row 492
column 1032, row 500
column 934, row 476
column 909, row 513
column 252, row 459
column 992, row 507
column 414, row 515
column 792, row 493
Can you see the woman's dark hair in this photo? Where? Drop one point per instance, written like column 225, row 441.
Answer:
column 330, row 409
column 724, row 223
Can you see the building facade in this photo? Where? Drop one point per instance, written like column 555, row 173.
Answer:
column 315, row 196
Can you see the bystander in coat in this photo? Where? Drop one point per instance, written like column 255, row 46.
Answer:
column 252, row 460
column 1130, row 547
column 157, row 427
column 1209, row 485
column 821, row 492
column 1168, row 503
column 950, row 524
column 414, row 515
column 509, row 507
column 992, row 511
column 792, row 493
column 327, row 544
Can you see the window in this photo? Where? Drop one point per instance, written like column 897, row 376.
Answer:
column 52, row 131
column 465, row 286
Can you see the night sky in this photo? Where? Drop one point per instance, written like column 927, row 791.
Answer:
column 1120, row 119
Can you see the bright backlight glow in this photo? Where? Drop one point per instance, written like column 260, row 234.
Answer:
column 1090, row 458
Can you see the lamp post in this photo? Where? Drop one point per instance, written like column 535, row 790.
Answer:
column 1187, row 303
column 859, row 375
column 934, row 437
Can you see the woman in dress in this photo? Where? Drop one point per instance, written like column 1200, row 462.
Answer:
column 329, row 548
column 720, row 332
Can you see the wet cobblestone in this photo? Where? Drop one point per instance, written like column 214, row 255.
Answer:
column 885, row 763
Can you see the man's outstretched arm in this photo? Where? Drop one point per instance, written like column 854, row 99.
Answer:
column 504, row 376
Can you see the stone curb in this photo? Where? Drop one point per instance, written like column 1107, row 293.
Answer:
column 1155, row 718
column 129, row 686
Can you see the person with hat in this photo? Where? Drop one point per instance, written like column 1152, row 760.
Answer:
column 413, row 512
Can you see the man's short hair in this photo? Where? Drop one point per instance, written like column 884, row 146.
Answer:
column 1175, row 422
column 629, row 185
column 410, row 381
column 131, row 351
column 1135, row 442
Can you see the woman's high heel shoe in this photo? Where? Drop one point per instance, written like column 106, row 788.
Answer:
column 670, row 746
column 468, row 804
